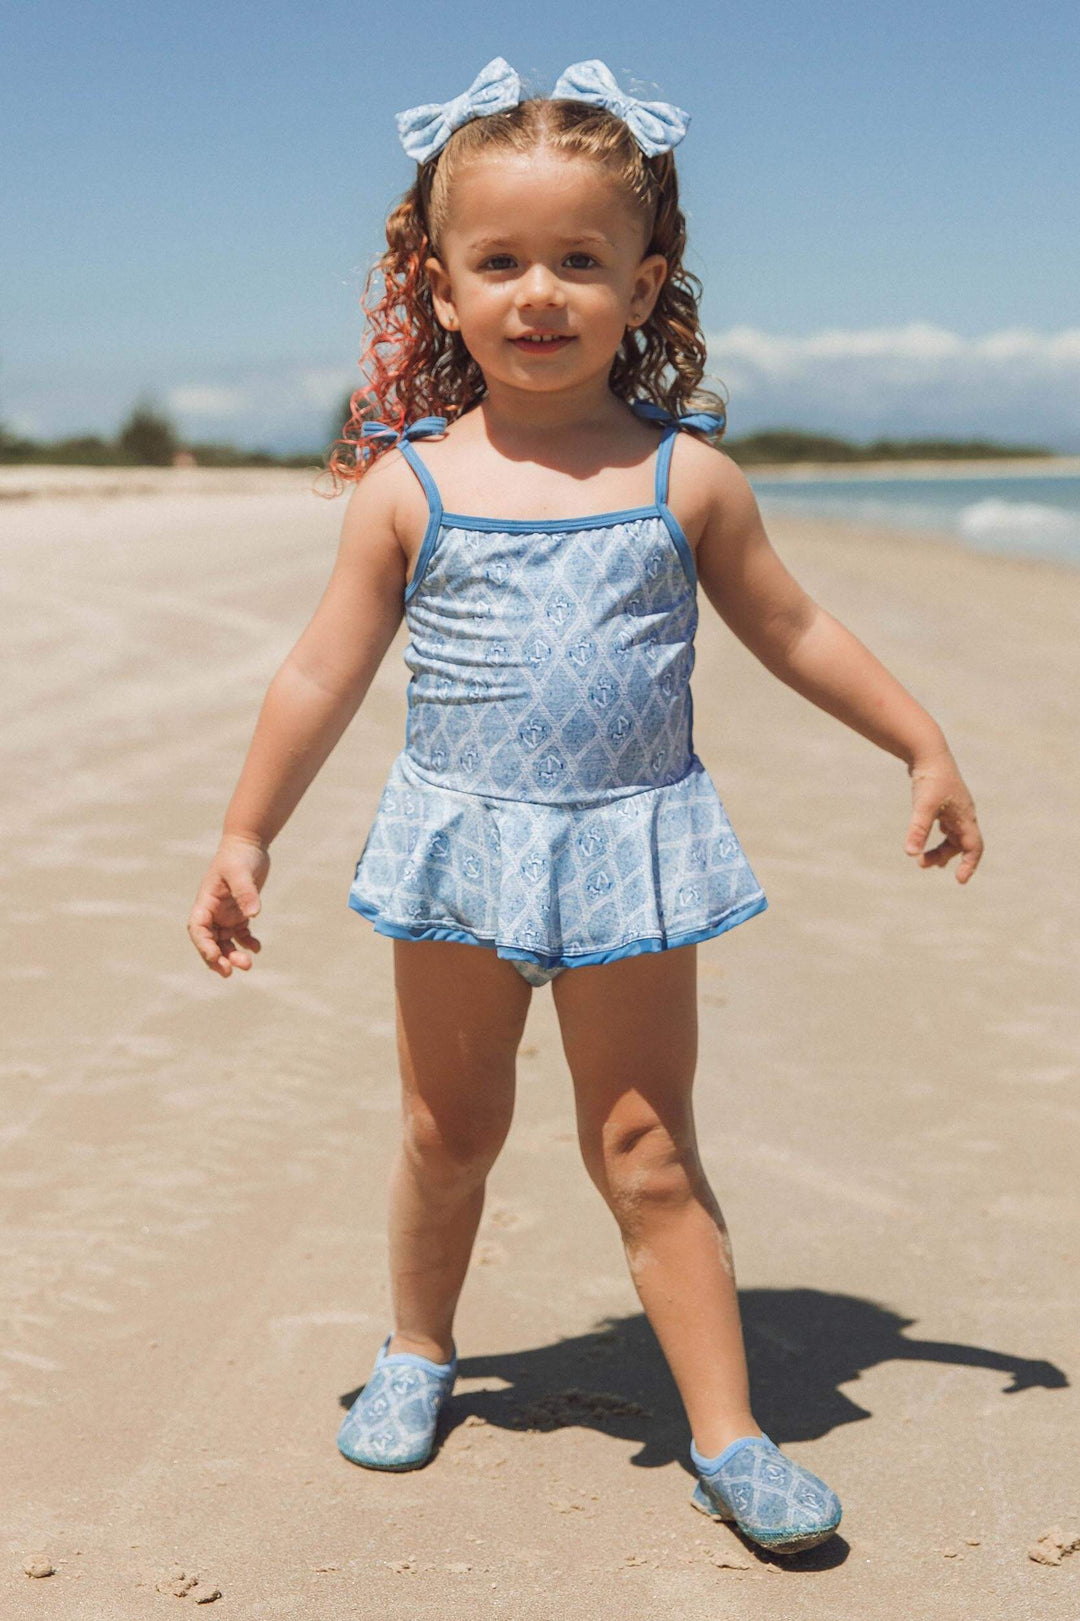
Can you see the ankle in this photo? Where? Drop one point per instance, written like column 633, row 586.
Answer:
column 435, row 1350
column 719, row 1433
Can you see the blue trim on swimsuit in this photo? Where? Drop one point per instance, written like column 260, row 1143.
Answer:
column 634, row 948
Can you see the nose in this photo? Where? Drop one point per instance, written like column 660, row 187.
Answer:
column 539, row 286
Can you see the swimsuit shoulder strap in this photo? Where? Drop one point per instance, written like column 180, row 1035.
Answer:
column 706, row 421
column 422, row 428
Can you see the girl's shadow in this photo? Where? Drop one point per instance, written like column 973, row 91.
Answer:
column 801, row 1344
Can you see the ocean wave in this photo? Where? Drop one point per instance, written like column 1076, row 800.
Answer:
column 991, row 523
column 1018, row 523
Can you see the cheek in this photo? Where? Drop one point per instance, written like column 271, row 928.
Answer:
column 483, row 303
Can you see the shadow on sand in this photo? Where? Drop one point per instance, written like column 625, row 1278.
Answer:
column 801, row 1344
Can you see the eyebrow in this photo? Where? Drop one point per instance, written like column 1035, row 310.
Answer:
column 486, row 243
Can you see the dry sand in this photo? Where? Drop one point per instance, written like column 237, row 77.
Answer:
column 194, row 1169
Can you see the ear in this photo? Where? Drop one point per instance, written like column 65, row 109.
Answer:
column 441, row 293
column 649, row 277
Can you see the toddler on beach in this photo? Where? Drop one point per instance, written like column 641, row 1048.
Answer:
column 537, row 489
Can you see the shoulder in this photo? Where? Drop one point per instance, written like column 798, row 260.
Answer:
column 712, row 490
column 379, row 501
column 373, row 520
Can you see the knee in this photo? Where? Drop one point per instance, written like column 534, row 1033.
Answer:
column 643, row 1165
column 451, row 1150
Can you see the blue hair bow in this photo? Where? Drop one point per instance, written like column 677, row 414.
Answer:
column 426, row 129
column 657, row 126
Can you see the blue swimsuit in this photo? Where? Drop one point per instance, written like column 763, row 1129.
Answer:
column 548, row 802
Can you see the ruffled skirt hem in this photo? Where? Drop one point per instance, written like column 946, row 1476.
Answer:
column 554, row 885
column 633, row 948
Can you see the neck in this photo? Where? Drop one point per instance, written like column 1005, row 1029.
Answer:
column 560, row 413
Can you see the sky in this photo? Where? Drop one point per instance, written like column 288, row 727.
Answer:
column 882, row 202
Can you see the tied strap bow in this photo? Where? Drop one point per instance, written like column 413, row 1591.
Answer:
column 422, row 428
column 705, row 421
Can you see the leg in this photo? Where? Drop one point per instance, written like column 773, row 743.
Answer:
column 460, row 1014
column 629, row 1030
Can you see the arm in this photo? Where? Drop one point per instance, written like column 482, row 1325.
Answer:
column 804, row 646
column 308, row 705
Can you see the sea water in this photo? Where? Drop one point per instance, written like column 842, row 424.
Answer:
column 1027, row 514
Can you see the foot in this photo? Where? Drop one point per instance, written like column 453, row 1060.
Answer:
column 393, row 1422
column 772, row 1499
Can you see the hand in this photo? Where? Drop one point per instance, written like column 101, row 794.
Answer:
column 228, row 896
column 938, row 793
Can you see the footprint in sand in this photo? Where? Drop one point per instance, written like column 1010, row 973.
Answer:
column 488, row 1253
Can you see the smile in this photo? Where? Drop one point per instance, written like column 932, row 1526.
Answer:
column 551, row 341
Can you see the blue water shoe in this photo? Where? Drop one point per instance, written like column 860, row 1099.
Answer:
column 773, row 1500
column 393, row 1422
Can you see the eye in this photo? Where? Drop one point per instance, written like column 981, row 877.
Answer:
column 493, row 261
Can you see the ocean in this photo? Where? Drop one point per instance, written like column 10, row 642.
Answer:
column 1024, row 514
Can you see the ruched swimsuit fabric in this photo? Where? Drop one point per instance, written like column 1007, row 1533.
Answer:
column 548, row 801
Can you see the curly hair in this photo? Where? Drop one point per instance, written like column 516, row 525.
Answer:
column 415, row 367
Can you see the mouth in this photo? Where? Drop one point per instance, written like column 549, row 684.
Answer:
column 541, row 343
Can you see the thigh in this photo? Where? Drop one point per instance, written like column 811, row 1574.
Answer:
column 630, row 1034
column 461, row 1011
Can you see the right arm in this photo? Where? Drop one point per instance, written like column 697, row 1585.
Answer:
column 308, row 705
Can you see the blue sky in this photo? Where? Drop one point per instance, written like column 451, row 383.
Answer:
column 881, row 202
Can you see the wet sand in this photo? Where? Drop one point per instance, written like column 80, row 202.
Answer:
column 193, row 1170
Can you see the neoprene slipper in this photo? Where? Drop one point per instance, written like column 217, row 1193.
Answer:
column 393, row 1422
column 772, row 1499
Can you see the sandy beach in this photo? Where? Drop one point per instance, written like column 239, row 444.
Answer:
column 194, row 1170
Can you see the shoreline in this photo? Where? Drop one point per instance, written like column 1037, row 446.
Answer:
column 44, row 480
column 30, row 486
column 991, row 467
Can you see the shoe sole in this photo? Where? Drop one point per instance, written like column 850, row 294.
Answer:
column 391, row 1468
column 797, row 1544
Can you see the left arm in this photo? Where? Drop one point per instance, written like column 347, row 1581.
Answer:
column 813, row 653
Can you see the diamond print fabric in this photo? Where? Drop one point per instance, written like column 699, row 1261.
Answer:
column 552, row 667
column 393, row 1422
column 773, row 1499
column 548, row 800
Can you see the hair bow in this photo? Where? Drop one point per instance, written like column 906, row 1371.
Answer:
column 424, row 130
column 657, row 126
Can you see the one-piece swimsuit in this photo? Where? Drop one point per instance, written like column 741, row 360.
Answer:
column 548, row 803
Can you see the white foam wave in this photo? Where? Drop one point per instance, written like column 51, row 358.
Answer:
column 1027, row 517
column 1018, row 523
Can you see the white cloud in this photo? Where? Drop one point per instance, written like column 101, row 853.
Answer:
column 904, row 381
column 24, row 423
column 1014, row 384
column 206, row 400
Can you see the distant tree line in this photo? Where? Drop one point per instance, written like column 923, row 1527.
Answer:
column 148, row 438
column 792, row 445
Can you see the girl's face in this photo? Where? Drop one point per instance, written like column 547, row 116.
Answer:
column 538, row 243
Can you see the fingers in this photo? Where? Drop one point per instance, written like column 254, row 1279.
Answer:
column 969, row 846
column 918, row 832
column 221, row 947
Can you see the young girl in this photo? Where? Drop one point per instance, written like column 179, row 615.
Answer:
column 548, row 806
